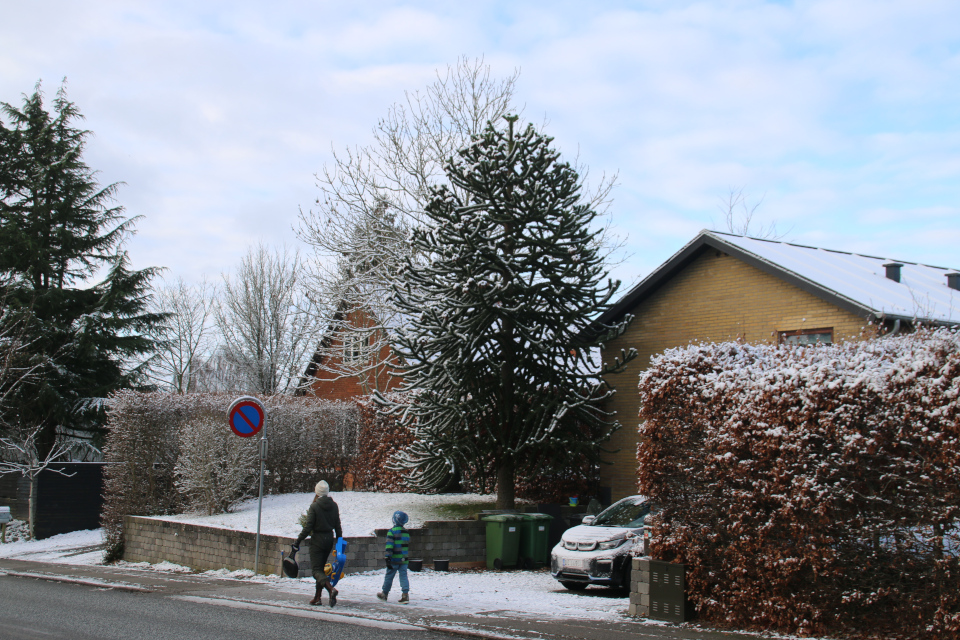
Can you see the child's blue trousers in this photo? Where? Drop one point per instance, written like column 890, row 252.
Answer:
column 392, row 570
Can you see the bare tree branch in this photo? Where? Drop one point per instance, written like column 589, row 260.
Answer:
column 267, row 324
column 738, row 215
column 187, row 334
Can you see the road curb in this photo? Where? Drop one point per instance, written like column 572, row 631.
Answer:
column 100, row 584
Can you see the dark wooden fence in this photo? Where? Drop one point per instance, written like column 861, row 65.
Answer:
column 63, row 503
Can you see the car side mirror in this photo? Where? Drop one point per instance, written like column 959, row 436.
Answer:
column 588, row 519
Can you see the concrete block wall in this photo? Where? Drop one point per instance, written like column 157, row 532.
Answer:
column 203, row 548
column 640, row 588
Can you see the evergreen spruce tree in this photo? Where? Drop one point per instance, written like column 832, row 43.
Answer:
column 59, row 229
column 501, row 350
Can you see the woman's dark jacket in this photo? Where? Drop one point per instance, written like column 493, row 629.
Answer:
column 322, row 517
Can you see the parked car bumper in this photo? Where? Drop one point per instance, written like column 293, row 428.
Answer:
column 600, row 567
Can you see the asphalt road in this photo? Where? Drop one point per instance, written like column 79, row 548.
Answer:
column 37, row 609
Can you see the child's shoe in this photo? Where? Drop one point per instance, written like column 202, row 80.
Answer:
column 382, row 595
column 405, row 598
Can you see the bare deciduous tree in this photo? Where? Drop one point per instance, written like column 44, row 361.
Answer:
column 187, row 334
column 267, row 324
column 372, row 196
column 738, row 215
column 19, row 450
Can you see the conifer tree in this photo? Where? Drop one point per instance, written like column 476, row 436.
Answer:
column 500, row 348
column 59, row 229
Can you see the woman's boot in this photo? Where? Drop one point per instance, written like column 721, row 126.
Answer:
column 333, row 595
column 316, row 596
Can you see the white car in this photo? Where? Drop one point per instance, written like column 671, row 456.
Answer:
column 599, row 550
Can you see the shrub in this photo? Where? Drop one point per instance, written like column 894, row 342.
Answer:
column 165, row 448
column 215, row 469
column 810, row 490
column 382, row 437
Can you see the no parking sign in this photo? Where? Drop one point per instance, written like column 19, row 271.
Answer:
column 246, row 416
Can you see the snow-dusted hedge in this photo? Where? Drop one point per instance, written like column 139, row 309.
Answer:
column 811, row 489
column 382, row 438
column 177, row 453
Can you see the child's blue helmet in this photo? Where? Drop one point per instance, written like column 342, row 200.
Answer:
column 400, row 518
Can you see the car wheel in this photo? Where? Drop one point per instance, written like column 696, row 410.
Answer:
column 574, row 586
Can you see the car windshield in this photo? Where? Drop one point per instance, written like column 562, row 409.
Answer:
column 626, row 513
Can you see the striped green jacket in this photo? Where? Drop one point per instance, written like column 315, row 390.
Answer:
column 398, row 545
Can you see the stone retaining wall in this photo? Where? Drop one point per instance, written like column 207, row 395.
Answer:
column 202, row 548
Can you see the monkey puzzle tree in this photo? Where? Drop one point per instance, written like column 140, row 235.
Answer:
column 499, row 346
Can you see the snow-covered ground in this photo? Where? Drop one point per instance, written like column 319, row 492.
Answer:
column 510, row 593
column 77, row 547
column 360, row 512
column 516, row 593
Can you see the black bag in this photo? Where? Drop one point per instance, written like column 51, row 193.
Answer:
column 290, row 566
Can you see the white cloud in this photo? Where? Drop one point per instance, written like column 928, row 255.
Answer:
column 217, row 115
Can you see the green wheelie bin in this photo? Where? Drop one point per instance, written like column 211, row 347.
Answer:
column 503, row 540
column 534, row 540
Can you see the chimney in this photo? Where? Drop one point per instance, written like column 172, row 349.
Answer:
column 953, row 280
column 893, row 270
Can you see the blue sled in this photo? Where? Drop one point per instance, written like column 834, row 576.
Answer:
column 339, row 562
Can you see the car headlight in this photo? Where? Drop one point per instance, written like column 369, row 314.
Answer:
column 611, row 544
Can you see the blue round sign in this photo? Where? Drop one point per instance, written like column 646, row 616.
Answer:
column 246, row 416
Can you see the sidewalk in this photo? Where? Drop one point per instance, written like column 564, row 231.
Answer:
column 290, row 597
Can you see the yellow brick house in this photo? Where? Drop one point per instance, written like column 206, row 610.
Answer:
column 722, row 287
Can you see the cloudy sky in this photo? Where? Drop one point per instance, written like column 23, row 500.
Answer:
column 840, row 118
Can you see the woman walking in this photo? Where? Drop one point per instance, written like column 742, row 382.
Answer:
column 323, row 527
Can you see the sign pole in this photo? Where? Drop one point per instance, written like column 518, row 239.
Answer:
column 263, row 457
column 247, row 417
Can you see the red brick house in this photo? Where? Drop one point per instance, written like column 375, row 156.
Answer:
column 354, row 359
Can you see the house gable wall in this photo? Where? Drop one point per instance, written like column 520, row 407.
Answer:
column 716, row 298
column 329, row 386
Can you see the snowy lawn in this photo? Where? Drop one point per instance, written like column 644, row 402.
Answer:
column 360, row 512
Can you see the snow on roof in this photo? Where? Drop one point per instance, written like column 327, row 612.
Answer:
column 921, row 293
column 854, row 282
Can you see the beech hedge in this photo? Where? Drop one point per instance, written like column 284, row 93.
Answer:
column 174, row 453
column 170, row 456
column 810, row 490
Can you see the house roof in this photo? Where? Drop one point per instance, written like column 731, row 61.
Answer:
column 854, row 282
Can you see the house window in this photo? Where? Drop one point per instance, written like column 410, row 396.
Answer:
column 354, row 348
column 807, row 336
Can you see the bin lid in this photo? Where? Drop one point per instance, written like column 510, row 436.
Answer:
column 501, row 517
column 537, row 516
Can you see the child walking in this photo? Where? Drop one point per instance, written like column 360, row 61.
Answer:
column 398, row 547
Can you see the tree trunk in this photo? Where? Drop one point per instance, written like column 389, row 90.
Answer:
column 506, row 497
column 32, row 507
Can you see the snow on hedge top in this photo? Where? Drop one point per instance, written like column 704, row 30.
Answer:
column 921, row 293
